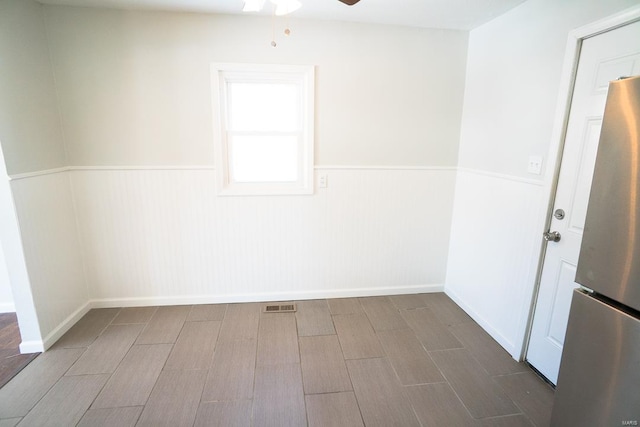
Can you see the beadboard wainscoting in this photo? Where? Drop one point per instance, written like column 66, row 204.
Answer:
column 163, row 236
column 47, row 219
column 494, row 252
column 6, row 297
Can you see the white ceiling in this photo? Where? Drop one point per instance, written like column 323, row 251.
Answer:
column 453, row 14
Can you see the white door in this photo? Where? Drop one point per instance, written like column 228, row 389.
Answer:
column 603, row 58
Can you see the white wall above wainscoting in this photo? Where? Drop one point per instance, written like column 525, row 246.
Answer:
column 162, row 236
column 384, row 94
column 494, row 252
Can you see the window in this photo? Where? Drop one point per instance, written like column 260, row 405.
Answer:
column 264, row 128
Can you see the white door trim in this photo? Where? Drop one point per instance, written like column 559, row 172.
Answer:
column 561, row 118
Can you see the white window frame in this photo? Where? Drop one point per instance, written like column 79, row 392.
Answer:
column 221, row 74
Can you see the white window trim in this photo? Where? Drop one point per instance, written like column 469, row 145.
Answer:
column 219, row 74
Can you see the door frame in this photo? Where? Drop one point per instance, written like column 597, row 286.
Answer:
column 561, row 120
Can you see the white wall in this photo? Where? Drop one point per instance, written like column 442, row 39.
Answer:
column 29, row 122
column 107, row 131
column 492, row 252
column 513, row 76
column 514, row 69
column 134, row 87
column 134, row 207
column 38, row 231
column 135, row 100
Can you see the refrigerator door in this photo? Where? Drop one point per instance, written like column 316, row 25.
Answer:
column 600, row 368
column 609, row 260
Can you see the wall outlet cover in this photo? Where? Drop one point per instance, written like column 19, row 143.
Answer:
column 535, row 165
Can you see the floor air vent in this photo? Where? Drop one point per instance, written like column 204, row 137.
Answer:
column 279, row 308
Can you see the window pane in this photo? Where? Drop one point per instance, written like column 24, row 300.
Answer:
column 264, row 158
column 263, row 107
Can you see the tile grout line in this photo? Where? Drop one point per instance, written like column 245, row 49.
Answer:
column 213, row 356
column 449, row 383
column 469, row 349
column 402, row 386
column 488, row 376
column 85, row 350
column 304, row 400
column 255, row 368
column 522, row 412
column 210, row 364
column 493, row 377
column 355, row 395
column 405, row 388
column 70, row 366
column 144, row 406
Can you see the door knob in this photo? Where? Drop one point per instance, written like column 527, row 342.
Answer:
column 552, row 236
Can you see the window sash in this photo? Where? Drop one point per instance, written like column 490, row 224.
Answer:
column 300, row 155
column 300, row 76
column 298, row 121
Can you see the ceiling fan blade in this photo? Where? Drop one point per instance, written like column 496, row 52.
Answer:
column 350, row 2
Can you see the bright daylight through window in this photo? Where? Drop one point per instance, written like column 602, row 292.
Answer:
column 264, row 128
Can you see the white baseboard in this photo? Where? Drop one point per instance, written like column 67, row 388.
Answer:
column 263, row 297
column 504, row 342
column 63, row 327
column 31, row 347
column 7, row 308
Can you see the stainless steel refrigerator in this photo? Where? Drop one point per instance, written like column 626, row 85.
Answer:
column 599, row 380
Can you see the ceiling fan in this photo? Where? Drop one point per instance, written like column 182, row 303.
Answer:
column 283, row 7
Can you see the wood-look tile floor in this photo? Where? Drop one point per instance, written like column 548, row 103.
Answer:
column 409, row 360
